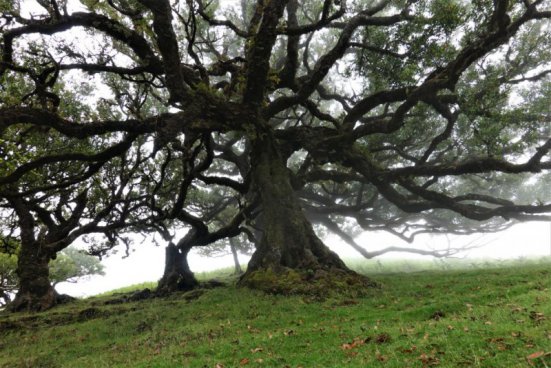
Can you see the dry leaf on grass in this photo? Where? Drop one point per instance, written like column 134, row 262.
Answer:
column 538, row 356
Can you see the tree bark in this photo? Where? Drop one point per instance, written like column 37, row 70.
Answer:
column 35, row 291
column 177, row 275
column 288, row 242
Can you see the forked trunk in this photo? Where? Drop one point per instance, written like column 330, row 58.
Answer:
column 289, row 245
column 35, row 291
column 177, row 274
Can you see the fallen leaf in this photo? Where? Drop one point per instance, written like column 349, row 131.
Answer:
column 259, row 360
column 488, row 323
column 355, row 343
column 537, row 355
column 252, row 329
column 380, row 357
column 410, row 350
column 288, row 332
column 219, row 365
column 256, row 350
column 244, row 361
column 500, row 343
column 537, row 316
column 347, row 346
column 429, row 360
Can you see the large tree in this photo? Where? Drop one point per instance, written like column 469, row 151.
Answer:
column 49, row 200
column 400, row 115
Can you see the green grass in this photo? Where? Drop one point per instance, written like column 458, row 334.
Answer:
column 456, row 318
column 128, row 289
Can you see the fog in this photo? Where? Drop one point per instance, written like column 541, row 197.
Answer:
column 146, row 261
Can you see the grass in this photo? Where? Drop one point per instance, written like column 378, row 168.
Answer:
column 496, row 317
column 128, row 289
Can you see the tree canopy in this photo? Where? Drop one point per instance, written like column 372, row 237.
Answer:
column 268, row 118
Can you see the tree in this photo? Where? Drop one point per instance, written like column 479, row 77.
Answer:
column 47, row 206
column 70, row 265
column 398, row 115
column 234, row 246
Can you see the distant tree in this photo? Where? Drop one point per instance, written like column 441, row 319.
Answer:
column 72, row 265
column 234, row 246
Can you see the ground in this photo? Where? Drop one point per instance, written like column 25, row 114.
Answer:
column 497, row 317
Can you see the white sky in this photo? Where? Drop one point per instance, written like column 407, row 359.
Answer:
column 147, row 261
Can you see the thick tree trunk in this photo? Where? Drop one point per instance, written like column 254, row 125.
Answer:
column 35, row 291
column 177, row 274
column 289, row 245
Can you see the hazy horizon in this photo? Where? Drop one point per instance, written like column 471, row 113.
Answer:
column 146, row 262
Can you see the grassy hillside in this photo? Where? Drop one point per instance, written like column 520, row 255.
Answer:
column 499, row 317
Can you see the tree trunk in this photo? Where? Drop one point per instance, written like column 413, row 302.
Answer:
column 177, row 274
column 289, row 245
column 35, row 291
column 238, row 270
